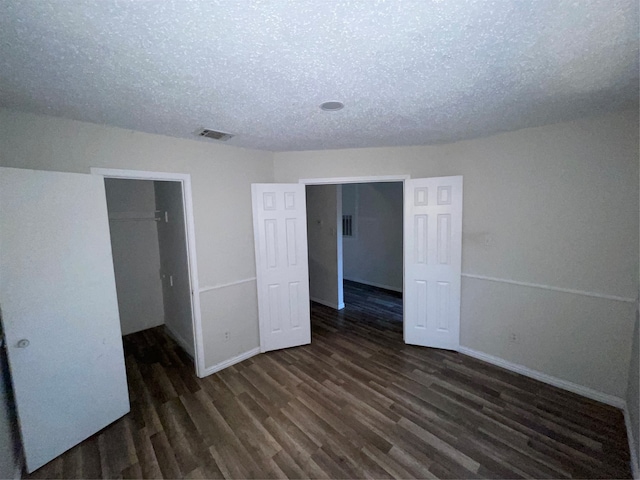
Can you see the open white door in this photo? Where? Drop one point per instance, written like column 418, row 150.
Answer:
column 432, row 261
column 59, row 309
column 282, row 270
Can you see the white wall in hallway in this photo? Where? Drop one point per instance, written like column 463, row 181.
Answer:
column 324, row 238
column 373, row 255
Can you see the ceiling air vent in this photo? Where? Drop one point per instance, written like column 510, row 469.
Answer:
column 223, row 137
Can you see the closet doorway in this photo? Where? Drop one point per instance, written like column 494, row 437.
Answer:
column 151, row 229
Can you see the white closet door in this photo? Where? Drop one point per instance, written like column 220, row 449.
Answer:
column 59, row 309
column 433, row 258
column 282, row 270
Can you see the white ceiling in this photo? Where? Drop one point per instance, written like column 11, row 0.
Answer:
column 408, row 72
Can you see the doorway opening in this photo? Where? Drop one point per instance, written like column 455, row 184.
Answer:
column 151, row 229
column 148, row 243
column 355, row 249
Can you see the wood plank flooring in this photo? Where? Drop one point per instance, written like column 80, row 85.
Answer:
column 356, row 403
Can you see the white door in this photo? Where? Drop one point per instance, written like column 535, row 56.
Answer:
column 432, row 261
column 282, row 270
column 59, row 309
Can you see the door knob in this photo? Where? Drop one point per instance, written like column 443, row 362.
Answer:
column 24, row 343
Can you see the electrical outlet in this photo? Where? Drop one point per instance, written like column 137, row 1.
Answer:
column 227, row 336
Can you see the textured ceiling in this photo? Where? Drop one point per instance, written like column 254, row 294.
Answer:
column 408, row 72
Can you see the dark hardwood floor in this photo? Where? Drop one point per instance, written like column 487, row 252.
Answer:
column 356, row 403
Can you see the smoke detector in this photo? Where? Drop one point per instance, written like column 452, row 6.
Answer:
column 215, row 135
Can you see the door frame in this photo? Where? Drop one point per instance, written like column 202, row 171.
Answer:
column 343, row 180
column 192, row 264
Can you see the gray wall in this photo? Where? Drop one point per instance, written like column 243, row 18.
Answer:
column 633, row 388
column 136, row 258
column 633, row 393
column 324, row 234
column 174, row 264
column 374, row 254
column 553, row 207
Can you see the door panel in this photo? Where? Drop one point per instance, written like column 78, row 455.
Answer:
column 279, row 217
column 433, row 261
column 59, row 309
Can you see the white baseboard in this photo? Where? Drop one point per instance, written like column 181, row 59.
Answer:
column 632, row 444
column 232, row 361
column 373, row 284
column 179, row 340
column 543, row 377
column 338, row 306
